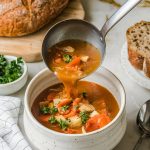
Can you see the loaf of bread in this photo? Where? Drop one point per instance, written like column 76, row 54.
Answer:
column 138, row 40
column 22, row 17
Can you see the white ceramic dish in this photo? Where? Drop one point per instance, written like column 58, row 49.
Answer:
column 136, row 75
column 12, row 87
column 105, row 138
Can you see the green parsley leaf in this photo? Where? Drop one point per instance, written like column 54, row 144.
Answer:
column 84, row 117
column 63, row 124
column 52, row 120
column 67, row 58
column 48, row 110
column 53, row 110
column 19, row 60
column 64, row 108
column 45, row 110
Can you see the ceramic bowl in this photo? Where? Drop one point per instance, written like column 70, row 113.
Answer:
column 12, row 87
column 105, row 138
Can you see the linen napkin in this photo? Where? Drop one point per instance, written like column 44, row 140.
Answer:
column 11, row 137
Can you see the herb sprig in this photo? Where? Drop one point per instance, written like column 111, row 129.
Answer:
column 47, row 110
column 64, row 108
column 67, row 58
column 84, row 117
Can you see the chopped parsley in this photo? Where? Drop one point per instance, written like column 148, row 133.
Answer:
column 64, row 108
column 84, row 117
column 53, row 110
column 67, row 58
column 63, row 124
column 10, row 71
column 47, row 110
column 52, row 120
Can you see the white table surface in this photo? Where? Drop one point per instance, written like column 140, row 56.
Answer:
column 96, row 13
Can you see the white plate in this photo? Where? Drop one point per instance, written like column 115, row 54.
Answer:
column 134, row 74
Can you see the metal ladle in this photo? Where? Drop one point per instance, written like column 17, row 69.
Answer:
column 82, row 30
column 143, row 122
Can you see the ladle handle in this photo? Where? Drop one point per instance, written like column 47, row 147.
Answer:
column 118, row 15
column 137, row 145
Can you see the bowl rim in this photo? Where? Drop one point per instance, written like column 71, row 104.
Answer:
column 25, row 70
column 49, row 131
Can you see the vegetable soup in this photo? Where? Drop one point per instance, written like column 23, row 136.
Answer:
column 94, row 108
column 73, row 106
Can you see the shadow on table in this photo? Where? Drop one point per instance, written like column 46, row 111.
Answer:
column 130, row 138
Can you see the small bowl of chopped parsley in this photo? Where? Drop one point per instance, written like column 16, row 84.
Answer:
column 13, row 74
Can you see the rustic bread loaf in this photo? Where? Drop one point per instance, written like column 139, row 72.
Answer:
column 21, row 17
column 138, row 39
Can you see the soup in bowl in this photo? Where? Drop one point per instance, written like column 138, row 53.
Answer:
column 46, row 135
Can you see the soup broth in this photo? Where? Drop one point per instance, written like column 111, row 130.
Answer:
column 95, row 100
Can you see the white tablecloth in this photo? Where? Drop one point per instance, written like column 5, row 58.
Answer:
column 96, row 13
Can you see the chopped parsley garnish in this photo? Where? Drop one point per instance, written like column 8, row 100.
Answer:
column 64, row 108
column 53, row 110
column 84, row 117
column 10, row 71
column 48, row 110
column 67, row 58
column 19, row 60
column 84, row 94
column 45, row 110
column 63, row 124
column 52, row 120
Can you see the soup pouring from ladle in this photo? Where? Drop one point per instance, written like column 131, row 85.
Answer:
column 82, row 30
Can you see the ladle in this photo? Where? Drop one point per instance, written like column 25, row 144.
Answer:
column 83, row 30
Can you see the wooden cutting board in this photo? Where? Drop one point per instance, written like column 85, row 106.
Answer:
column 29, row 47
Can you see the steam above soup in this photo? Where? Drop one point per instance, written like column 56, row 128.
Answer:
column 74, row 106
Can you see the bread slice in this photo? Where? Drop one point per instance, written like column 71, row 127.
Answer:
column 138, row 39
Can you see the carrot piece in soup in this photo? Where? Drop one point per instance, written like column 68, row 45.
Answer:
column 64, row 102
column 97, row 122
column 58, row 60
column 73, row 111
column 73, row 131
column 71, row 114
column 74, row 62
column 44, row 118
column 51, row 96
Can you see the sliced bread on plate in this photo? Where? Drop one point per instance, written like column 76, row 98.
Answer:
column 138, row 40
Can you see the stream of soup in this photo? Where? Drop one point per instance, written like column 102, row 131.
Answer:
column 72, row 60
column 73, row 106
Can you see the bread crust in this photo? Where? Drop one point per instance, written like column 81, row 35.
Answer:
column 138, row 39
column 22, row 17
column 146, row 67
column 135, row 59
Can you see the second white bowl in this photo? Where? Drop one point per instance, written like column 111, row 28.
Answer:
column 12, row 87
column 105, row 138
